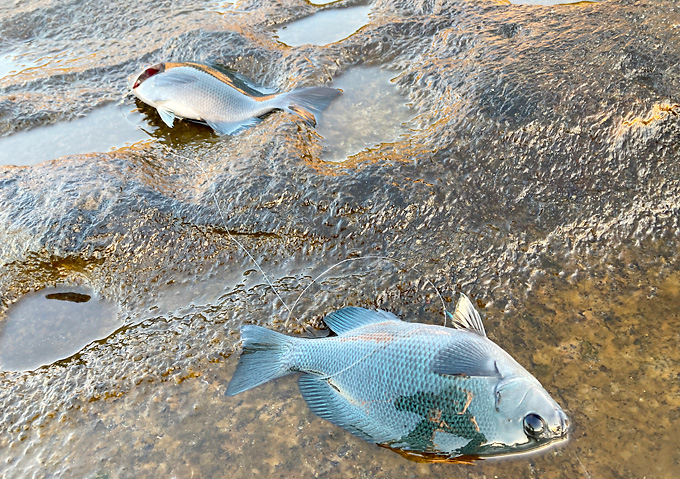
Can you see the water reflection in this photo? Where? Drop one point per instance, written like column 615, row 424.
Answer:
column 370, row 111
column 324, row 27
column 103, row 129
column 52, row 324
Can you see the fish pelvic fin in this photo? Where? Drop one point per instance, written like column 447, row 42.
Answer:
column 307, row 103
column 167, row 116
column 265, row 356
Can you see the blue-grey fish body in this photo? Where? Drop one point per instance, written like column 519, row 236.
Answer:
column 423, row 390
column 198, row 92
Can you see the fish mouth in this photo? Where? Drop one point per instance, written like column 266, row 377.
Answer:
column 562, row 429
column 557, row 432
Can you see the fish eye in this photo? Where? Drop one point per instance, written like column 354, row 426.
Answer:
column 533, row 425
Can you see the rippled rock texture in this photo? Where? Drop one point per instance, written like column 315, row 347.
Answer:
column 539, row 174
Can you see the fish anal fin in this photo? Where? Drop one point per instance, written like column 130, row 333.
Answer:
column 326, row 402
column 347, row 319
column 231, row 127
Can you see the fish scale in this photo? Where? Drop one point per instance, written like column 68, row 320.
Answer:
column 388, row 380
column 418, row 389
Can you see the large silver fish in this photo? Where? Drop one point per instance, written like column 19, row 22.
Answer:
column 428, row 392
column 198, row 92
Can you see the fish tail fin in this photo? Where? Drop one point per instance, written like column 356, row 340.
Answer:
column 307, row 103
column 265, row 357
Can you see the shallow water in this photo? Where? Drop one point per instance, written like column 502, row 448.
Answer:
column 371, row 110
column 327, row 26
column 103, row 129
column 524, row 155
column 13, row 63
column 52, row 324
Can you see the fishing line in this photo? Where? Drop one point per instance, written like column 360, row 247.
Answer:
column 387, row 258
column 231, row 237
column 314, row 280
column 219, row 210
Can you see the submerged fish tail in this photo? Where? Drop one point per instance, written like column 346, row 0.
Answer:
column 264, row 357
column 307, row 103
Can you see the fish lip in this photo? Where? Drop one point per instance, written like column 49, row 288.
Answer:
column 562, row 429
column 531, row 446
column 559, row 431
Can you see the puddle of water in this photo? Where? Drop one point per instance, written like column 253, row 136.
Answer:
column 30, row 62
column 324, row 27
column 369, row 112
column 103, row 129
column 52, row 324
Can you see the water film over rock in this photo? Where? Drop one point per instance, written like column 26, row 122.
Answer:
column 535, row 168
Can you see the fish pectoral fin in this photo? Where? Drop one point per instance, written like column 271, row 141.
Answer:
column 231, row 127
column 466, row 358
column 326, row 402
column 347, row 319
column 167, row 116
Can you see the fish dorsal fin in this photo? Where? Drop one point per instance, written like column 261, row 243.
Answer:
column 466, row 317
column 347, row 319
column 467, row 357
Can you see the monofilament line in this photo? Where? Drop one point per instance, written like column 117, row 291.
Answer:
column 231, row 237
column 328, row 270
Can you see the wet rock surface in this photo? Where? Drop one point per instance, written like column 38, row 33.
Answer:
column 539, row 175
